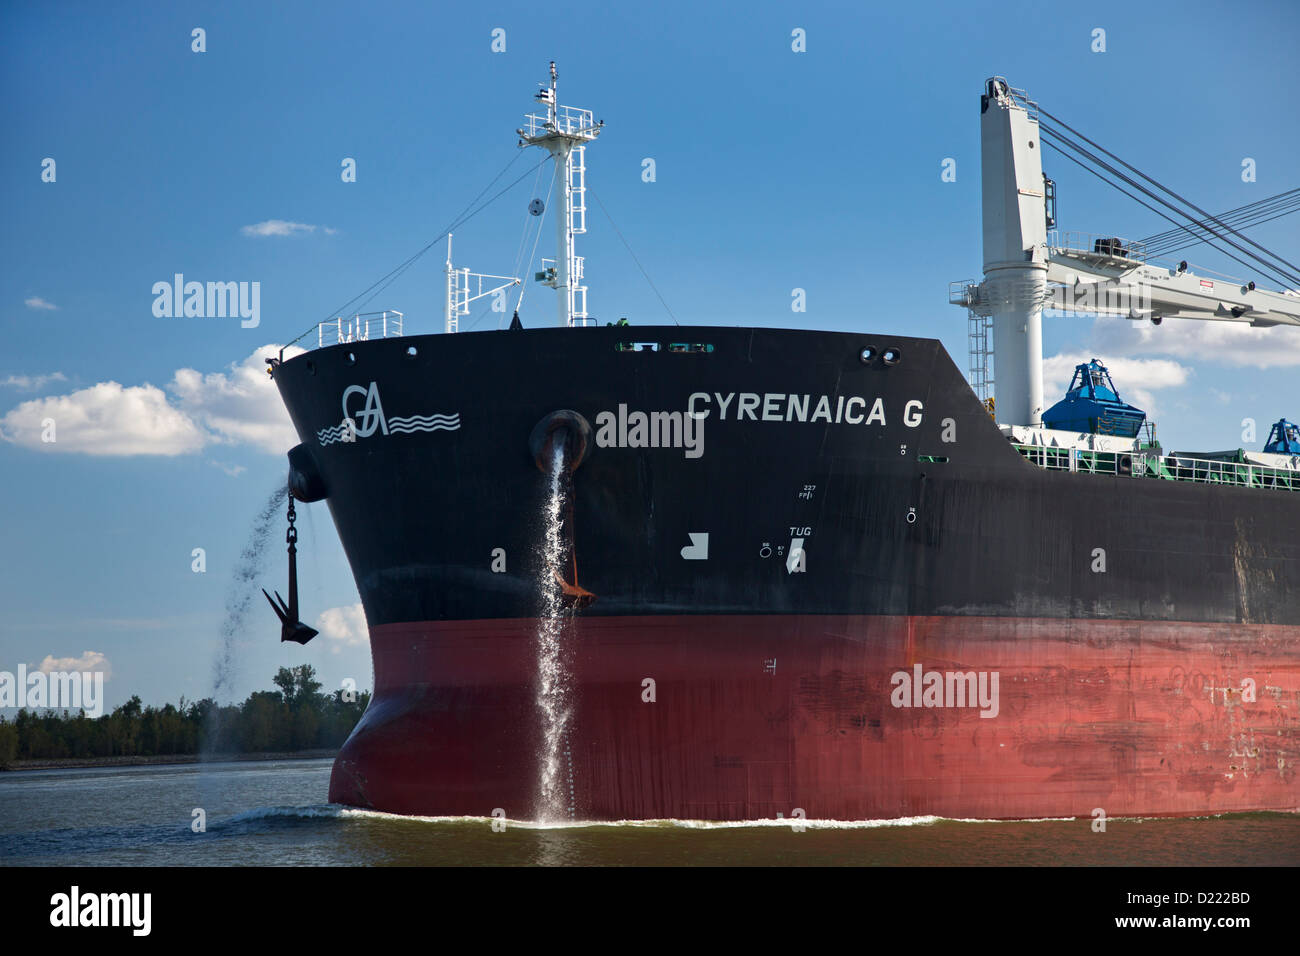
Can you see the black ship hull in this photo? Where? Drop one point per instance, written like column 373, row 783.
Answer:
column 828, row 501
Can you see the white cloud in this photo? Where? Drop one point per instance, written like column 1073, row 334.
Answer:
column 36, row 302
column 344, row 626
column 238, row 406
column 89, row 661
column 1221, row 343
column 234, row 471
column 29, row 383
column 279, row 227
column 105, row 419
column 1136, row 379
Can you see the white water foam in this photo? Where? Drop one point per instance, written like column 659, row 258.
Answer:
column 555, row 784
column 326, row 811
column 339, row 811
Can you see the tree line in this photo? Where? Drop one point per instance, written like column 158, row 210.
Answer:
column 297, row 716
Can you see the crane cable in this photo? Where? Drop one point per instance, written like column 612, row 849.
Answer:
column 1241, row 212
column 1254, row 214
column 1166, row 189
column 1267, row 268
column 1272, row 267
column 1162, row 215
column 1258, row 222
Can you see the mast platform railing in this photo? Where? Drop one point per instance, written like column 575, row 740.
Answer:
column 569, row 121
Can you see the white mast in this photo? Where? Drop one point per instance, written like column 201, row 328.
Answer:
column 464, row 287
column 563, row 132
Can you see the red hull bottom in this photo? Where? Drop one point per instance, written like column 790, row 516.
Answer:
column 755, row 716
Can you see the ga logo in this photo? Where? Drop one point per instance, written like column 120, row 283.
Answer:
column 363, row 415
column 371, row 415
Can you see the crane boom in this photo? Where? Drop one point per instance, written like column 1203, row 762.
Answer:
column 1028, row 268
column 1114, row 278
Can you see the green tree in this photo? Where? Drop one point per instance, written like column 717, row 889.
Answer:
column 297, row 716
column 285, row 680
column 8, row 744
column 262, row 724
column 307, row 687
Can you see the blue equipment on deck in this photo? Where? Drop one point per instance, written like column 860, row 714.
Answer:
column 1093, row 405
column 1283, row 439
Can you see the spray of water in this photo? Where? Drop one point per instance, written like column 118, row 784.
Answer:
column 244, row 587
column 555, row 801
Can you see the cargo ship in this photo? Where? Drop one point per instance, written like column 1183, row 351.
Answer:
column 724, row 573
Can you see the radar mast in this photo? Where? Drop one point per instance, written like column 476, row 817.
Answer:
column 564, row 131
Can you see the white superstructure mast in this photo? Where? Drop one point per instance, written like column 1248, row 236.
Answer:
column 564, row 132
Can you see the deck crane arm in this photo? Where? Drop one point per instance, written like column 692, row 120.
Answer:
column 1114, row 278
column 1027, row 268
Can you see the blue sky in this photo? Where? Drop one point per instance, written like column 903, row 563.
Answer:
column 774, row 170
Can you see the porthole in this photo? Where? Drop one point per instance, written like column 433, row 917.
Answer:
column 411, row 351
column 351, row 358
column 867, row 355
column 892, row 356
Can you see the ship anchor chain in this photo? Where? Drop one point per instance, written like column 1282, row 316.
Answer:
column 291, row 628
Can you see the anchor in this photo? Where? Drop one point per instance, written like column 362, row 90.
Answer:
column 570, row 432
column 291, row 629
column 573, row 595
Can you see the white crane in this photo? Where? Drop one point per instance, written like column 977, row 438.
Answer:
column 1027, row 267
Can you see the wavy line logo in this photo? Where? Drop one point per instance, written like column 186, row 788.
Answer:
column 347, row 431
column 424, row 423
column 370, row 418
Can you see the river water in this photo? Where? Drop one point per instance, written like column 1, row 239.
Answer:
column 275, row 813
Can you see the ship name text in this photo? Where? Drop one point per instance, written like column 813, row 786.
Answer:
column 783, row 407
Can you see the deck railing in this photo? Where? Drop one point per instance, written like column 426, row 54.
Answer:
column 359, row 328
column 1210, row 471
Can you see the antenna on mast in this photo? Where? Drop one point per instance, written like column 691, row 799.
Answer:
column 564, row 132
